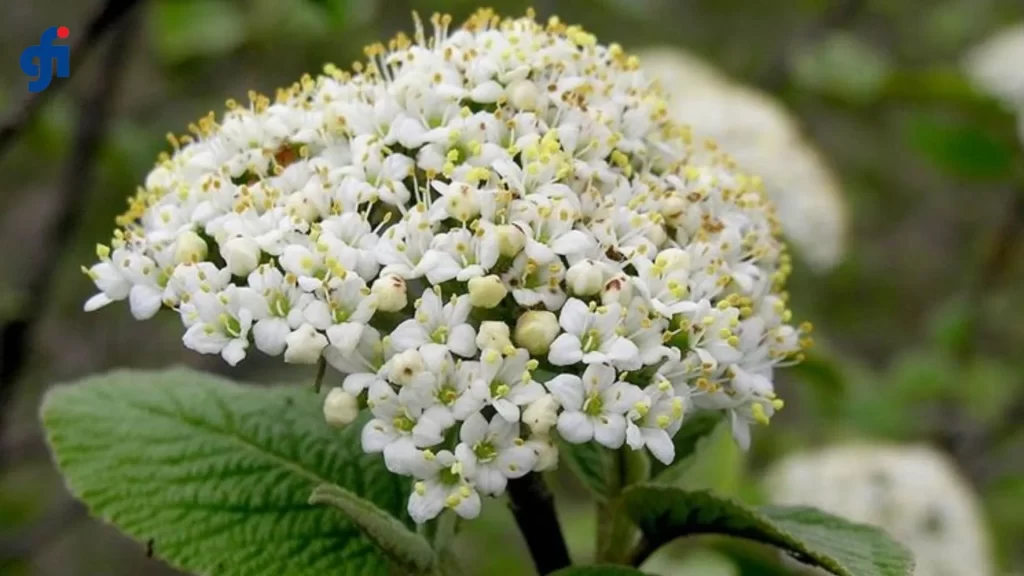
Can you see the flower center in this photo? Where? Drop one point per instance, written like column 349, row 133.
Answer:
column 279, row 304
column 591, row 340
column 485, row 451
column 594, row 404
column 447, row 395
column 440, row 335
column 449, row 477
column 403, row 423
column 232, row 327
column 499, row 389
column 339, row 314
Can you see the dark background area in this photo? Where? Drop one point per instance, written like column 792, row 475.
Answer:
column 920, row 328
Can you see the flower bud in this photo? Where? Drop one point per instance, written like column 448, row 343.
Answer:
column 463, row 203
column 656, row 234
column 522, row 94
column 546, row 451
column 493, row 335
column 390, row 292
column 299, row 205
column 406, row 366
column 541, row 414
column 511, row 240
column 486, row 292
column 536, row 330
column 340, row 407
column 304, row 345
column 190, row 247
column 242, row 255
column 673, row 209
column 617, row 289
column 584, row 278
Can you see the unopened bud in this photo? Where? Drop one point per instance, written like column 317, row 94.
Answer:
column 304, row 345
column 340, row 407
column 536, row 330
column 493, row 335
column 391, row 293
column 546, row 451
column 522, row 94
column 406, row 366
column 242, row 255
column 541, row 414
column 617, row 289
column 486, row 292
column 511, row 240
column 190, row 247
column 585, row 278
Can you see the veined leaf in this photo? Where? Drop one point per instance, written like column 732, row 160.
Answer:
column 403, row 546
column 599, row 570
column 589, row 462
column 215, row 477
column 814, row 537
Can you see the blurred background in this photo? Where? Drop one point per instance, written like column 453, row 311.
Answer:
column 918, row 314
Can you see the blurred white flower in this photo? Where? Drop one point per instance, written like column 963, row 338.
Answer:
column 765, row 139
column 995, row 66
column 913, row 492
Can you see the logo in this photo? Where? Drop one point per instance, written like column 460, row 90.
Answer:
column 42, row 61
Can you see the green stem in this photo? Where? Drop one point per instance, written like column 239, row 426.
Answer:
column 615, row 532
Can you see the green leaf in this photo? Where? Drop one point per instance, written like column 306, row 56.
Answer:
column 403, row 546
column 960, row 148
column 599, row 570
column 715, row 464
column 187, row 29
column 844, row 548
column 588, row 462
column 694, row 429
column 215, row 476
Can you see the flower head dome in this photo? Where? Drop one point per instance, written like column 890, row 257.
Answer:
column 913, row 492
column 453, row 222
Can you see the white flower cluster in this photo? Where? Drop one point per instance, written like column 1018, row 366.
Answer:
column 470, row 213
column 913, row 492
column 766, row 139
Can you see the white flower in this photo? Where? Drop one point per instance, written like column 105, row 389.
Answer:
column 534, row 283
column 594, row 406
column 277, row 308
column 507, row 382
column 241, row 254
column 340, row 407
column 347, row 309
column 304, row 345
column 486, row 291
column 494, row 335
column 397, row 429
column 446, row 388
column 442, row 485
column 440, row 324
column 536, row 330
column 365, row 364
column 218, row 324
column 590, row 336
column 491, row 453
column 912, row 492
column 655, row 420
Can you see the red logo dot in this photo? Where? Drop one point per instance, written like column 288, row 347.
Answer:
column 63, row 32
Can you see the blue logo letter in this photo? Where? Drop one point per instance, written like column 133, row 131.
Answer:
column 38, row 61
